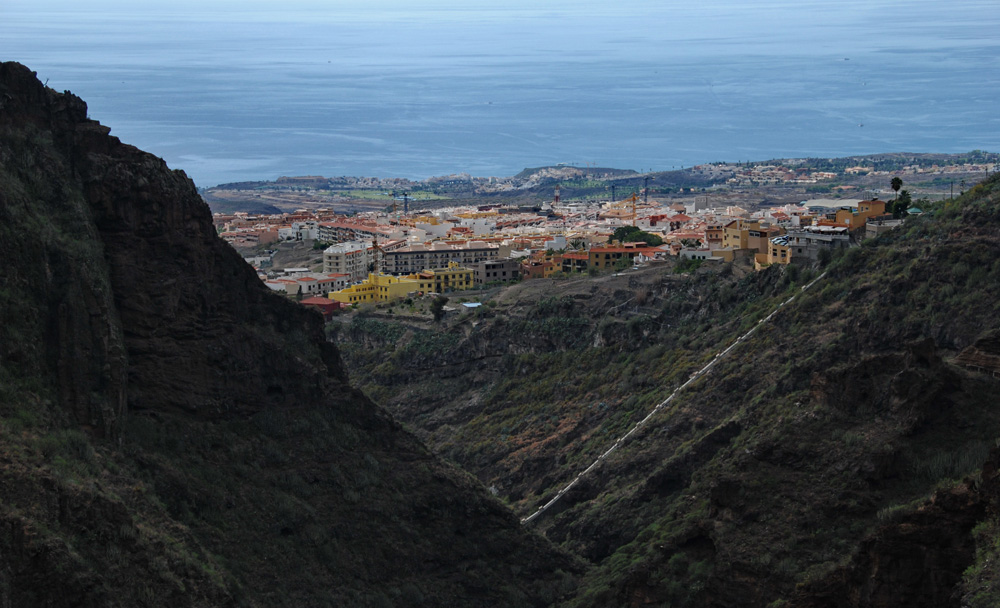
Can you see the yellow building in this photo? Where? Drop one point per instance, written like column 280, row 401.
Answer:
column 383, row 287
column 477, row 215
column 856, row 218
column 425, row 219
column 452, row 278
column 735, row 234
column 777, row 252
column 870, row 208
column 537, row 269
column 366, row 291
column 758, row 239
column 728, row 254
column 745, row 234
column 606, row 257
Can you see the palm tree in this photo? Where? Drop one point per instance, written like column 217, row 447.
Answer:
column 896, row 184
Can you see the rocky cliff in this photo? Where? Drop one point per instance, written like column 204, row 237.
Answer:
column 173, row 434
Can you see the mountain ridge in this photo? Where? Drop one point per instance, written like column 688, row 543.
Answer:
column 174, row 434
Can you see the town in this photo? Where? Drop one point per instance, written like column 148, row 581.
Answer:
column 396, row 252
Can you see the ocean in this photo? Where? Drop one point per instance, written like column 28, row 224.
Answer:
column 255, row 90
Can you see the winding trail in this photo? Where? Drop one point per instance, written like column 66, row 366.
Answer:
column 664, row 403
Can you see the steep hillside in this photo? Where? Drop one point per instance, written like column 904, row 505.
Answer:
column 820, row 463
column 171, row 434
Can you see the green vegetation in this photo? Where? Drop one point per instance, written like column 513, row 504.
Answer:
column 633, row 234
column 896, row 184
column 897, row 162
column 437, row 307
column 583, row 184
column 381, row 195
column 687, row 265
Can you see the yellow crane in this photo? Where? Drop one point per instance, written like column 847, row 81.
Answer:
column 628, row 204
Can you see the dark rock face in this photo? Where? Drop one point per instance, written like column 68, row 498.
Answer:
column 186, row 307
column 917, row 561
column 225, row 432
column 913, row 385
column 73, row 333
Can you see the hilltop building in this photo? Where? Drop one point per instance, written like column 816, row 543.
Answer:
column 495, row 271
column 803, row 245
column 574, row 261
column 855, row 218
column 811, row 240
column 534, row 267
column 606, row 257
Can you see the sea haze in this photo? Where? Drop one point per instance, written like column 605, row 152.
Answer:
column 384, row 88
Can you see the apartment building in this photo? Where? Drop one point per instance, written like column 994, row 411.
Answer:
column 354, row 258
column 419, row 257
column 492, row 272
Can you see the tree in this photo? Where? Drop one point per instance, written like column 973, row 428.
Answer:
column 632, row 234
column 901, row 205
column 653, row 240
column 437, row 307
column 896, row 184
column 623, row 234
column 824, row 256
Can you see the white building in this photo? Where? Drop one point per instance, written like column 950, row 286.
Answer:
column 434, row 230
column 479, row 226
column 354, row 259
column 300, row 231
column 556, row 243
column 309, row 284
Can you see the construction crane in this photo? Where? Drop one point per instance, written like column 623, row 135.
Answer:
column 375, row 251
column 632, row 200
column 403, row 196
column 629, row 204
